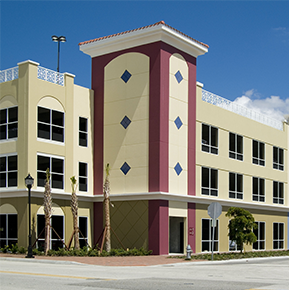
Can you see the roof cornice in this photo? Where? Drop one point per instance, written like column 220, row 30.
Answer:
column 145, row 35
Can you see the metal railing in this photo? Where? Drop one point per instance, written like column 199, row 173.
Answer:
column 9, row 74
column 44, row 74
column 51, row 76
column 241, row 110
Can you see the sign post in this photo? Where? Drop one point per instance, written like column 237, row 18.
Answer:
column 214, row 211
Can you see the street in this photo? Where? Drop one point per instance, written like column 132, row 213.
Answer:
column 252, row 274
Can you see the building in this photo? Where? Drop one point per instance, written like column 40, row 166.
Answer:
column 46, row 122
column 173, row 148
column 173, row 152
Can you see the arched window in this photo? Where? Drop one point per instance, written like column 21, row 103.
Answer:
column 8, row 225
column 57, row 228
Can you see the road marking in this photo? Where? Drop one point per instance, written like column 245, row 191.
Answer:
column 51, row 275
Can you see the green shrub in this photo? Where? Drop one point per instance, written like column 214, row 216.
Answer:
column 5, row 249
column 21, row 250
column 237, row 255
column 14, row 249
column 92, row 253
column 37, row 252
column 85, row 251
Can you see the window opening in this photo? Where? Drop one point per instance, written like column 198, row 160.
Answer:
column 209, row 139
column 235, row 185
column 258, row 153
column 258, row 189
column 50, row 124
column 209, row 181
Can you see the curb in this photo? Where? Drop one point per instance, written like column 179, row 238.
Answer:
column 41, row 261
column 232, row 261
column 187, row 263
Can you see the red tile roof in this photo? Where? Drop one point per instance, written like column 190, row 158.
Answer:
column 141, row 28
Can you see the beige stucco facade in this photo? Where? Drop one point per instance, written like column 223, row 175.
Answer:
column 28, row 92
column 129, row 100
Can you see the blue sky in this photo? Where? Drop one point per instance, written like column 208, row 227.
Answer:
column 249, row 40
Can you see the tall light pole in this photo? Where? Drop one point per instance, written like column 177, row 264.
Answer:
column 29, row 183
column 58, row 39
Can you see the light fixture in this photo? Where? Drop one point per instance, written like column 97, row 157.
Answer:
column 29, row 180
column 58, row 39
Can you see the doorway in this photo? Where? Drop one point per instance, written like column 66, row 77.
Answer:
column 176, row 235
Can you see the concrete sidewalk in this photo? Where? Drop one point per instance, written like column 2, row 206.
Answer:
column 107, row 261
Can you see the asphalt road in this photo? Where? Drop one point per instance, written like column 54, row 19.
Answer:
column 31, row 274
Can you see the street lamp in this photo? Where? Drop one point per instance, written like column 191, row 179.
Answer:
column 58, row 39
column 29, row 183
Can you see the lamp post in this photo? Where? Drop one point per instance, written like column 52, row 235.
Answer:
column 58, row 39
column 29, row 183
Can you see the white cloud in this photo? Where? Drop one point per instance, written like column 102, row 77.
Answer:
column 273, row 107
column 283, row 33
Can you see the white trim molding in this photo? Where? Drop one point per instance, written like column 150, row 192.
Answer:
column 141, row 37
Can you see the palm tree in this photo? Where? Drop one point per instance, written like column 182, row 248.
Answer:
column 47, row 211
column 74, row 209
column 106, row 192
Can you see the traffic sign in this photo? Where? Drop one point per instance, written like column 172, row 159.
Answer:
column 214, row 210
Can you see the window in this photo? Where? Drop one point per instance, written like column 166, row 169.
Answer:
column 258, row 153
column 9, row 123
column 209, row 139
column 83, row 132
column 209, row 181
column 207, row 235
column 50, row 124
column 278, row 192
column 56, row 167
column 83, row 239
column 235, row 185
column 278, row 236
column 232, row 244
column 258, row 189
column 260, row 234
column 82, row 176
column 8, row 230
column 8, row 171
column 57, row 226
column 236, row 146
column 278, row 158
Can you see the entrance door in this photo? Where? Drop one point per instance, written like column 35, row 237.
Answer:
column 176, row 235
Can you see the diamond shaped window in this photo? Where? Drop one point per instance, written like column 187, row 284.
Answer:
column 178, row 76
column 178, row 168
column 125, row 168
column 126, row 76
column 178, row 122
column 125, row 122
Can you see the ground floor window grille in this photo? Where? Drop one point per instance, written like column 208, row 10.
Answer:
column 56, row 235
column 278, row 236
column 232, row 244
column 207, row 235
column 260, row 234
column 8, row 230
column 83, row 237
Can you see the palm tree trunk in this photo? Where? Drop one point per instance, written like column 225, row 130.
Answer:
column 106, row 193
column 76, row 235
column 47, row 211
column 47, row 236
column 107, row 224
column 74, row 209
